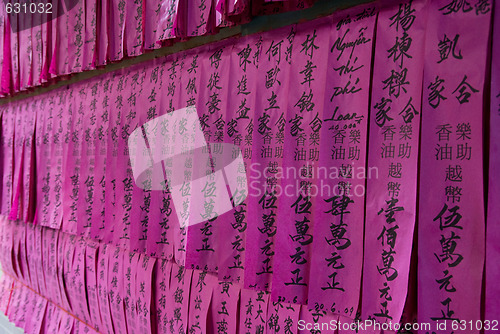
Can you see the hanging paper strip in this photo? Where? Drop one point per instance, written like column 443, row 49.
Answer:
column 101, row 103
column 76, row 22
column 134, row 27
column 7, row 140
column 87, row 176
column 295, row 215
column 90, row 33
column 282, row 317
column 239, row 106
column 393, row 153
column 116, row 29
column 202, row 286
column 17, row 186
column 272, row 52
column 492, row 304
column 73, row 166
column 451, row 204
column 25, row 52
column 103, row 288
column 253, row 311
column 224, row 307
column 103, row 17
column 141, row 195
column 335, row 278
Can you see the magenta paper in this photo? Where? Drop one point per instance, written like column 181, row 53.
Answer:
column 90, row 33
column 282, row 317
column 74, row 278
column 76, row 22
column 177, row 297
column 43, row 132
column 131, row 261
column 61, row 248
column 37, row 44
column 160, row 237
column 126, row 103
column 63, row 31
column 153, row 17
column 91, row 252
column 47, row 275
column 72, row 159
column 141, row 196
column 134, row 27
column 102, row 53
column 335, row 278
column 492, row 308
column 6, row 285
column 116, row 285
column 273, row 52
column 200, row 13
column 143, row 294
column 8, row 121
column 209, row 191
column 67, row 323
column 25, row 53
column 316, row 319
column 451, row 217
column 161, row 290
column 3, row 53
column 253, row 311
column 116, row 29
column 304, row 120
column 102, row 287
column 30, row 249
column 55, row 177
column 224, row 307
column 238, row 131
column 53, row 316
column 14, row 56
column 114, row 106
column 46, row 50
column 100, row 145
column 29, row 181
column 6, row 79
column 203, row 284
column 168, row 16
column 88, row 174
column 395, row 122
column 17, row 183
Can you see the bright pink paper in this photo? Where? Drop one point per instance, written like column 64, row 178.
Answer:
column 89, row 48
column 103, row 270
column 225, row 299
column 239, row 131
column 253, row 311
column 335, row 279
column 143, row 287
column 116, row 284
column 134, row 27
column 116, row 29
column 161, row 289
column 492, row 304
column 451, row 214
column 202, row 286
column 394, row 125
column 294, row 239
column 272, row 52
column 76, row 21
column 91, row 252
